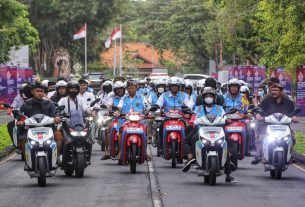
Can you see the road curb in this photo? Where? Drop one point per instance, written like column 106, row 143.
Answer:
column 8, row 157
column 154, row 183
column 6, row 153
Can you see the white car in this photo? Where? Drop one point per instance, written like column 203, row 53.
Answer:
column 195, row 77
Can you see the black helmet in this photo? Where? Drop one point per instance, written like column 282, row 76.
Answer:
column 25, row 90
column 83, row 81
column 131, row 83
column 38, row 85
column 73, row 84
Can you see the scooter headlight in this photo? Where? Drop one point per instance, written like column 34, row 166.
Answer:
column 32, row 142
column 74, row 134
column 48, row 142
column 252, row 125
column 286, row 138
column 205, row 141
column 220, row 141
column 271, row 138
column 99, row 121
column 83, row 134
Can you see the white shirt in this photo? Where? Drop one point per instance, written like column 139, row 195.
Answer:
column 187, row 102
column 104, row 98
column 64, row 102
column 87, row 96
column 18, row 101
column 50, row 94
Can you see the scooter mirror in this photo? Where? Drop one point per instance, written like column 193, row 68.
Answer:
column 297, row 110
column 154, row 108
column 61, row 108
column 94, row 102
column 232, row 111
column 103, row 106
column 115, row 108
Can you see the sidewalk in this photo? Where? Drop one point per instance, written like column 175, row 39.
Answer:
column 4, row 118
column 299, row 127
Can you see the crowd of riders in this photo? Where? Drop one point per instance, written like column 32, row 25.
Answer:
column 121, row 96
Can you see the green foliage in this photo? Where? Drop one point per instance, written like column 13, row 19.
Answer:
column 5, row 140
column 15, row 28
column 300, row 143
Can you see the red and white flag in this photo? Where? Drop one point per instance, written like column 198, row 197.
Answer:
column 115, row 34
column 81, row 33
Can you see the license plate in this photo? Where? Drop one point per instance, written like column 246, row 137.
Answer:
column 173, row 127
column 134, row 130
column 235, row 128
column 278, row 127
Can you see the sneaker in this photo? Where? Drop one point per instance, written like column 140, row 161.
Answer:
column 188, row 165
column 230, row 179
column 256, row 161
column 233, row 167
column 105, row 157
column 59, row 160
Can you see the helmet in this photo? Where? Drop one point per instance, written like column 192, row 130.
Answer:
column 244, row 89
column 60, row 84
column 83, row 81
column 208, row 90
column 159, row 83
column 72, row 84
column 45, row 83
column 25, row 90
column 200, row 83
column 131, row 83
column 108, row 83
column 182, row 82
column 242, row 83
column 173, row 81
column 142, row 82
column 232, row 82
column 118, row 84
column 189, row 84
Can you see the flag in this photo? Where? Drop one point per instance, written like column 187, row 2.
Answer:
column 81, row 33
column 115, row 34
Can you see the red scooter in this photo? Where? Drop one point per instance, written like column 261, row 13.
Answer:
column 236, row 135
column 173, row 136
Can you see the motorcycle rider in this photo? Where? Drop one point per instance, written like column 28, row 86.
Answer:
column 60, row 87
column 233, row 99
column 274, row 103
column 200, row 85
column 36, row 105
column 245, row 91
column 24, row 94
column 107, row 89
column 119, row 92
column 75, row 106
column 210, row 82
column 131, row 102
column 189, row 90
column 83, row 93
column 182, row 85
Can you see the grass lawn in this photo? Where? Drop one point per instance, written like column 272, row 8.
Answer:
column 300, row 145
column 5, row 139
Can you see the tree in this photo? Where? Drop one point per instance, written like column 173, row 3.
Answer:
column 15, row 28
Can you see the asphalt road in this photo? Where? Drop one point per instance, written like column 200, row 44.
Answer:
column 106, row 184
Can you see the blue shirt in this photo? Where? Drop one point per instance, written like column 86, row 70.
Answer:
column 230, row 102
column 136, row 104
column 168, row 101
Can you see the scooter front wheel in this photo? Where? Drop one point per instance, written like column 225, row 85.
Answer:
column 80, row 165
column 212, row 170
column 133, row 160
column 174, row 160
column 279, row 164
column 41, row 164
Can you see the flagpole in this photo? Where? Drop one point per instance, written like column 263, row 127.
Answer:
column 121, row 51
column 86, row 49
column 114, row 59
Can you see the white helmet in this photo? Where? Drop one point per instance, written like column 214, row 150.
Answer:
column 60, row 84
column 242, row 83
column 182, row 81
column 159, row 82
column 45, row 83
column 200, row 83
column 118, row 84
column 233, row 81
column 244, row 89
column 208, row 90
column 189, row 83
column 142, row 82
column 107, row 83
column 173, row 81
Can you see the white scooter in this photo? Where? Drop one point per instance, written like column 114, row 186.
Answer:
column 277, row 144
column 41, row 149
column 102, row 120
column 211, row 147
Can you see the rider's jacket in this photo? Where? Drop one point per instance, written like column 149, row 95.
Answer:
column 168, row 101
column 34, row 106
column 129, row 104
column 202, row 110
column 56, row 98
column 114, row 101
column 230, row 102
column 18, row 101
column 152, row 98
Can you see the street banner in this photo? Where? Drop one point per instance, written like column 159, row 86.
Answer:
column 242, row 73
column 20, row 77
column 233, row 72
column 259, row 76
column 3, row 84
column 249, row 75
column 29, row 75
column 300, row 90
column 11, row 79
column 286, row 80
column 214, row 75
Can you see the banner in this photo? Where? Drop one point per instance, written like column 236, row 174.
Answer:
column 29, row 75
column 259, row 76
column 233, row 72
column 242, row 73
column 286, row 80
column 3, row 84
column 300, row 90
column 249, row 75
column 11, row 78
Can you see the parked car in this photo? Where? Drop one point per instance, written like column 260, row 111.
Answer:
column 195, row 77
column 95, row 80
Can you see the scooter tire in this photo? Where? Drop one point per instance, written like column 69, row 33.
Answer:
column 41, row 165
column 80, row 165
column 133, row 160
column 174, row 159
column 212, row 170
column 278, row 168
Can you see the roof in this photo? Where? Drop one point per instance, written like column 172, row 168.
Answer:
column 146, row 53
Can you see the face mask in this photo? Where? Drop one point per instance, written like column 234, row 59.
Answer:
column 160, row 90
column 73, row 94
column 208, row 100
